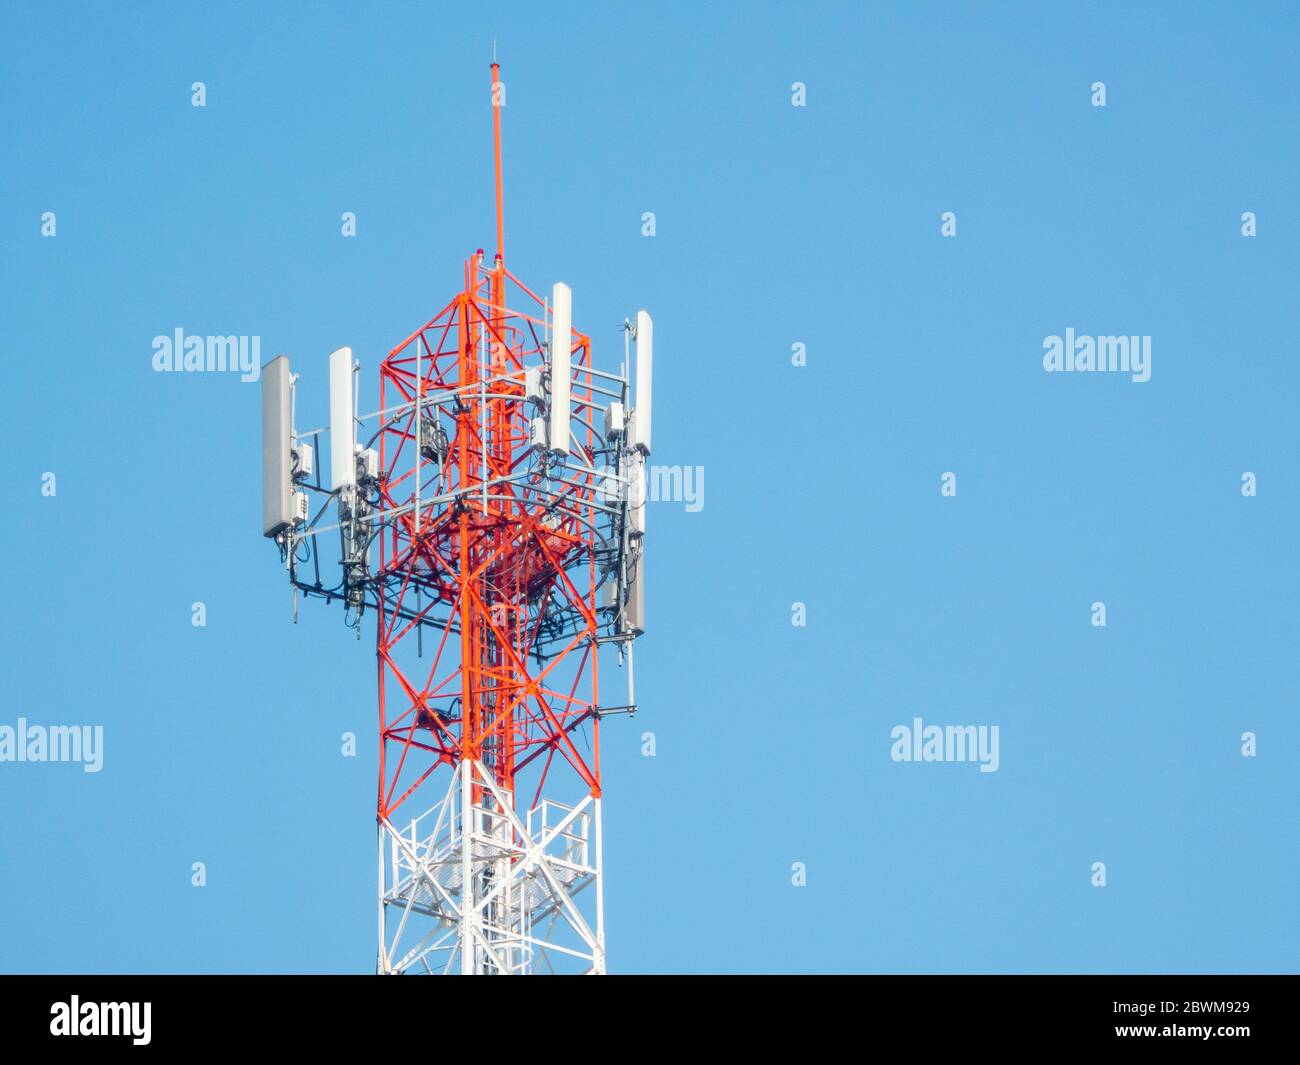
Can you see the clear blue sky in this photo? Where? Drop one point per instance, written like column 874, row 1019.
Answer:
column 776, row 225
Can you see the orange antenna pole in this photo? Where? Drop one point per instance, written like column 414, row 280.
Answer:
column 496, row 134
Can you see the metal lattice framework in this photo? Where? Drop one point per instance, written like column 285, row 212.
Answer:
column 502, row 557
column 499, row 562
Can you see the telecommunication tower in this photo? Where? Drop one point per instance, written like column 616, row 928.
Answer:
column 489, row 515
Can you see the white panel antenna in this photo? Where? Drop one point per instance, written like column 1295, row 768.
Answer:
column 343, row 426
column 277, row 442
column 644, row 365
column 561, row 350
column 637, row 493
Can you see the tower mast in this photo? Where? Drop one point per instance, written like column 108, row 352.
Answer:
column 498, row 101
column 491, row 525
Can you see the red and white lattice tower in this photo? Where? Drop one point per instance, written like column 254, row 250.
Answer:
column 490, row 516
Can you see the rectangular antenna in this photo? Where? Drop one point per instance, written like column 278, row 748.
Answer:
column 277, row 473
column 638, row 492
column 644, row 365
column 634, row 612
column 343, row 426
column 561, row 350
